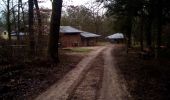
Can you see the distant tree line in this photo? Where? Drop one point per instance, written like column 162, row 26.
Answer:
column 89, row 18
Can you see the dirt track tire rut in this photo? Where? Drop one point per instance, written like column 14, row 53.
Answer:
column 89, row 87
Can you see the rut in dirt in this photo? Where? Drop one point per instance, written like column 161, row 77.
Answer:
column 65, row 87
column 112, row 88
column 89, row 87
column 102, row 81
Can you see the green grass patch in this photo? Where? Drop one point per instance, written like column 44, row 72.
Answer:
column 102, row 43
column 78, row 49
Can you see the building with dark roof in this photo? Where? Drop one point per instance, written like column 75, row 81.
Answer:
column 71, row 37
column 89, row 39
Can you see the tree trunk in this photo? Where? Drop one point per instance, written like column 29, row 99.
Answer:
column 31, row 30
column 13, row 13
column 23, row 15
column 159, row 26
column 54, row 30
column 141, row 33
column 18, row 25
column 149, row 33
column 149, row 25
column 129, row 30
column 8, row 21
column 39, row 43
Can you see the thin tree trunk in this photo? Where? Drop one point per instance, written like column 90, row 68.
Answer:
column 141, row 33
column 129, row 30
column 148, row 33
column 8, row 25
column 8, row 21
column 39, row 44
column 54, row 30
column 149, row 25
column 23, row 14
column 18, row 25
column 159, row 26
column 31, row 30
column 13, row 13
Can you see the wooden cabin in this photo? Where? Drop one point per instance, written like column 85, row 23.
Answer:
column 69, row 36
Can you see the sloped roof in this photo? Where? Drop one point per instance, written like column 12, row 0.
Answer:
column 116, row 36
column 69, row 29
column 20, row 33
column 88, row 34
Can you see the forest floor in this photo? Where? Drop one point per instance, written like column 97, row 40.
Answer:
column 28, row 80
column 146, row 79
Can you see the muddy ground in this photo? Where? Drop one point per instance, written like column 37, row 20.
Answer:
column 147, row 79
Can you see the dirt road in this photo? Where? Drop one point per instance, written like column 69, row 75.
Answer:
column 89, row 87
column 112, row 89
column 90, row 80
column 62, row 89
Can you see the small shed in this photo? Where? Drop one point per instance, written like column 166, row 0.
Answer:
column 22, row 36
column 69, row 36
column 4, row 35
column 89, row 39
column 117, row 37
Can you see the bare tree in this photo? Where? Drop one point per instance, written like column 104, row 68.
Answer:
column 96, row 11
column 31, row 30
column 39, row 42
column 18, row 24
column 54, row 30
column 14, row 14
column 23, row 13
column 8, row 20
column 141, row 31
column 39, row 17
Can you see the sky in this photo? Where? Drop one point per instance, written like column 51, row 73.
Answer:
column 47, row 3
column 67, row 2
column 77, row 2
column 87, row 3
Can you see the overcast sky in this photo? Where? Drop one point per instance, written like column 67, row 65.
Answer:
column 47, row 3
column 77, row 2
column 68, row 2
column 87, row 3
